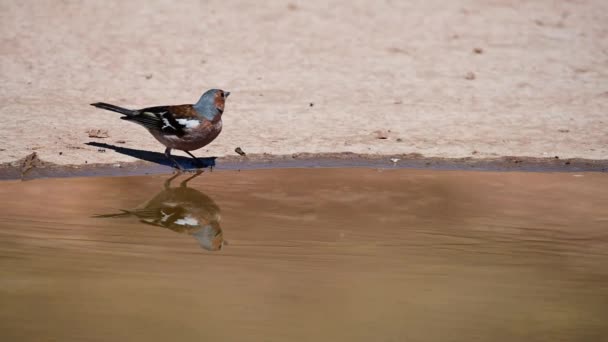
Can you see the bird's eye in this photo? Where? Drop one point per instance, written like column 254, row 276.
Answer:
column 222, row 93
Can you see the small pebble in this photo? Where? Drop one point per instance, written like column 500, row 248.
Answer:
column 381, row 134
column 239, row 151
column 98, row 133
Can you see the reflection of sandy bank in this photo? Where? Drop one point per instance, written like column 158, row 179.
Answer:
column 539, row 87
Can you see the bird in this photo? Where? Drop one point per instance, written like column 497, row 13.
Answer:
column 185, row 127
column 183, row 210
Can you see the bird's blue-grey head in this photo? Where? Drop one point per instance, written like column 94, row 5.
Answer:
column 210, row 237
column 211, row 104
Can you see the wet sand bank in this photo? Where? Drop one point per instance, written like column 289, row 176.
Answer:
column 157, row 164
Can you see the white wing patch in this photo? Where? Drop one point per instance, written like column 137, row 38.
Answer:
column 166, row 123
column 187, row 221
column 165, row 216
column 188, row 123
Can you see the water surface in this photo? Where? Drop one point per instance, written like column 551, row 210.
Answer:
column 306, row 254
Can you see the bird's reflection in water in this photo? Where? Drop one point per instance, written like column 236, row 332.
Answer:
column 183, row 210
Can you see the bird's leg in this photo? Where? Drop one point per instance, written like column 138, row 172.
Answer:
column 168, row 181
column 184, row 183
column 198, row 161
column 168, row 155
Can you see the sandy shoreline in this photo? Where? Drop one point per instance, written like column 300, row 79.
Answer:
column 444, row 80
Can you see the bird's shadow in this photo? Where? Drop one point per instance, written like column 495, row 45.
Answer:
column 158, row 158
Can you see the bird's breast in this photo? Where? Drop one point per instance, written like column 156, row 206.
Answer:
column 194, row 137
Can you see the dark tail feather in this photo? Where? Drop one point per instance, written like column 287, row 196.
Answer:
column 113, row 108
column 124, row 213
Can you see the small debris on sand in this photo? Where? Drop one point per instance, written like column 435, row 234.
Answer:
column 563, row 130
column 474, row 152
column 148, row 76
column 478, row 51
column 101, row 150
column 470, row 76
column 60, row 153
column 121, row 142
column 381, row 134
column 98, row 133
column 396, row 50
column 29, row 162
column 399, row 140
column 239, row 151
column 311, row 104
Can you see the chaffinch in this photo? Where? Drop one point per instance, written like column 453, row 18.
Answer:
column 185, row 127
column 182, row 210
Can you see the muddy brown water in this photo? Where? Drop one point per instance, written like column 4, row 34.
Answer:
column 306, row 255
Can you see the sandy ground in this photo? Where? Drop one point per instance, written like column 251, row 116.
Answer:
column 447, row 78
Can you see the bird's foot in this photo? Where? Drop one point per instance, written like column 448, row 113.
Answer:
column 197, row 161
column 178, row 168
column 169, row 180
column 184, row 183
column 175, row 163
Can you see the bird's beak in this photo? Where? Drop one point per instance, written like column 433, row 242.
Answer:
column 226, row 93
